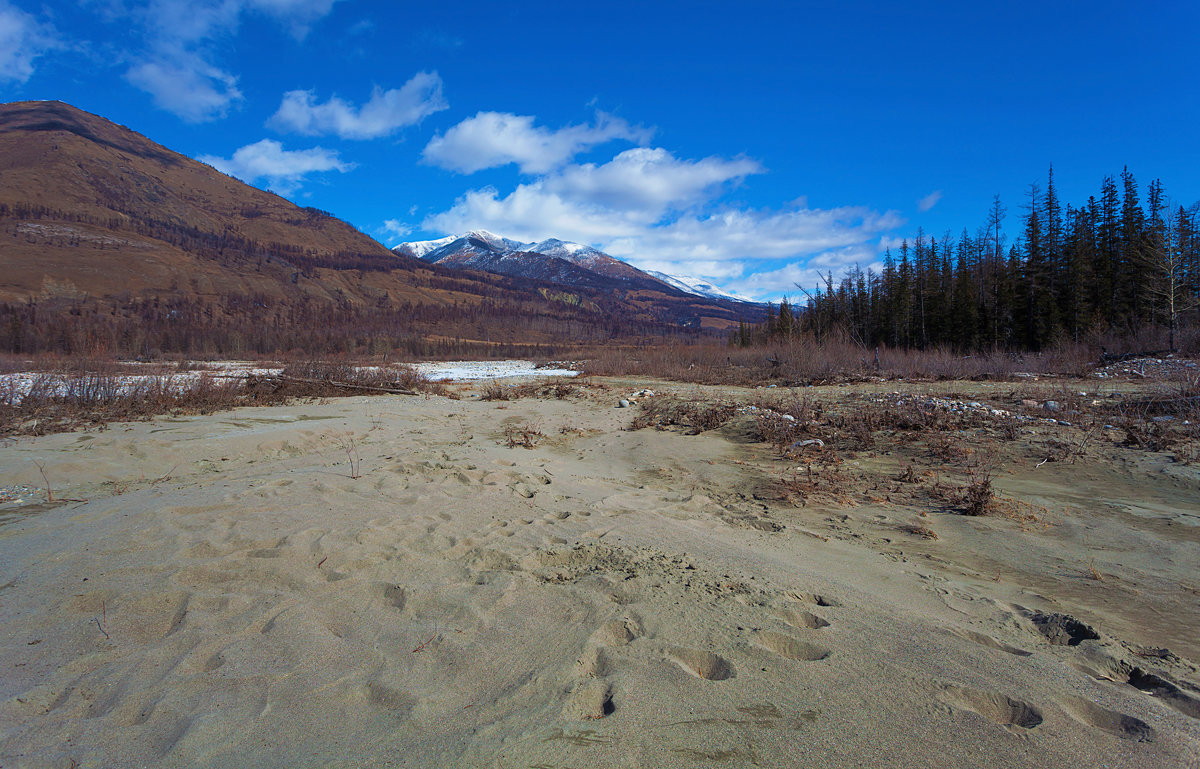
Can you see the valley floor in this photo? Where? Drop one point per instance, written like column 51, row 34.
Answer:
column 429, row 582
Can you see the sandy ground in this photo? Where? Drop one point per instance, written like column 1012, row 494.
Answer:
column 388, row 582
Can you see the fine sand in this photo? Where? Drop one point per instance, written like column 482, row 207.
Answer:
column 397, row 581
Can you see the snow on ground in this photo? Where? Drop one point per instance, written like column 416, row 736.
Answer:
column 469, row 370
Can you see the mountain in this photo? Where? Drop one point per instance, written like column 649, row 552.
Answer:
column 419, row 249
column 94, row 208
column 698, row 287
column 113, row 244
column 555, row 261
column 558, row 261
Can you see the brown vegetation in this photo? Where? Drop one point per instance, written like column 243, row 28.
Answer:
column 92, row 394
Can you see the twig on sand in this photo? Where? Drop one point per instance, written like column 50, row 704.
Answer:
column 422, row 646
column 49, row 492
column 103, row 613
column 323, row 560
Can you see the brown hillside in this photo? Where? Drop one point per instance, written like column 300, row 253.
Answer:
column 97, row 209
column 110, row 242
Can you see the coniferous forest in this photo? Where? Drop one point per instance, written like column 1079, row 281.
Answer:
column 1122, row 265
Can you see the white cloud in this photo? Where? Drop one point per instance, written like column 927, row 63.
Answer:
column 655, row 210
column 187, row 86
column 284, row 170
column 22, row 39
column 383, row 114
column 649, row 179
column 787, row 279
column 710, row 245
column 491, row 139
column 396, row 228
column 177, row 66
column 298, row 15
column 929, row 201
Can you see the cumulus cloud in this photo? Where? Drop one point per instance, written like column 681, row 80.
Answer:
column 177, row 67
column 786, row 279
column 649, row 179
column 284, row 170
column 22, row 39
column 492, row 139
column 649, row 207
column 714, row 245
column 187, row 86
column 396, row 228
column 385, row 112
column 297, row 15
column 929, row 201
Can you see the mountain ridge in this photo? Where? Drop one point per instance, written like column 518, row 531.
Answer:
column 483, row 250
column 110, row 242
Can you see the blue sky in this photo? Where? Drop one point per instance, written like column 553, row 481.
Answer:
column 752, row 144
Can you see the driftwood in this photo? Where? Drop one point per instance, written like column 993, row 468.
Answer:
column 347, row 385
column 1114, row 357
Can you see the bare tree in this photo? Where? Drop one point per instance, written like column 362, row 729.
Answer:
column 1166, row 260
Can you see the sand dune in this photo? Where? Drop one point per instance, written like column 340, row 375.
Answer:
column 222, row 591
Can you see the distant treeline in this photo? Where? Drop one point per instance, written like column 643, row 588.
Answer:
column 259, row 325
column 497, row 316
column 1111, row 267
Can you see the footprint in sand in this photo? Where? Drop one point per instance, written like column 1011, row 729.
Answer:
column 385, row 697
column 790, row 648
column 590, row 699
column 702, row 664
column 593, row 663
column 989, row 642
column 1063, row 629
column 391, row 595
column 616, row 633
column 798, row 618
column 995, row 707
column 1089, row 713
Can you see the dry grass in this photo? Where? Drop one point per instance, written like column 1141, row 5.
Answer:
column 698, row 416
column 978, row 497
column 95, row 394
column 919, row 530
column 526, row 436
column 553, row 388
column 804, row 361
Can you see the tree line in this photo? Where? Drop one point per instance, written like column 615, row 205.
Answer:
column 1111, row 267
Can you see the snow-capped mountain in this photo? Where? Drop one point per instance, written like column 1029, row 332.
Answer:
column 418, row 249
column 698, row 287
column 554, row 260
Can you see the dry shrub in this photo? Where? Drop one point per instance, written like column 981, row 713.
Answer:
column 919, row 530
column 525, row 436
column 805, row 361
column 777, row 431
column 978, row 498
column 323, row 379
column 824, row 481
column 665, row 411
column 96, row 397
column 554, row 388
column 494, row 391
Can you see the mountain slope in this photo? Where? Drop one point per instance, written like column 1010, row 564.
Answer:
column 559, row 261
column 698, row 287
column 111, row 243
column 555, row 261
column 93, row 205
